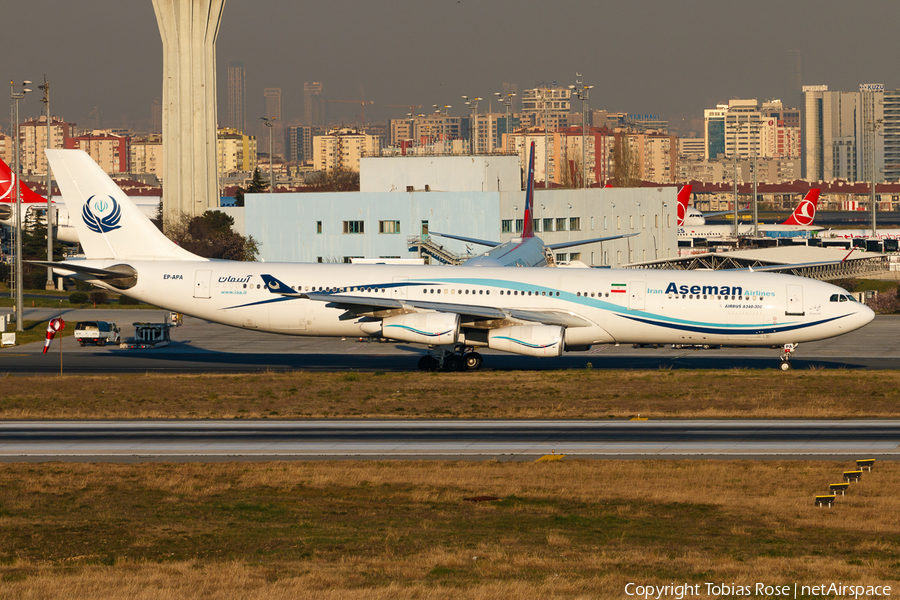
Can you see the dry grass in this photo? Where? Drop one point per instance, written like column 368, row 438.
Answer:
column 578, row 394
column 566, row 529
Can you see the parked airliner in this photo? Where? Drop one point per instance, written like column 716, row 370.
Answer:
column 528, row 250
column 453, row 310
column 800, row 220
column 65, row 230
column 688, row 215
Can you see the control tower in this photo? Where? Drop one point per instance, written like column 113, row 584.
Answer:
column 188, row 29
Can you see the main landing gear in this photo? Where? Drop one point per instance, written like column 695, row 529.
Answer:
column 786, row 352
column 450, row 358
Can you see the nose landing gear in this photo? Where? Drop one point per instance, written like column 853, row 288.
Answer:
column 786, row 353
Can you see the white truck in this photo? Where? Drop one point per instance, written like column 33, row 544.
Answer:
column 97, row 332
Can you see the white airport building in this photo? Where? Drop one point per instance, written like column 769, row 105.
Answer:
column 403, row 198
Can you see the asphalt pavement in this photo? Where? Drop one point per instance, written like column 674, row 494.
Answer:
column 201, row 346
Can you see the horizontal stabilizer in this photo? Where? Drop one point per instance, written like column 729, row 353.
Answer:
column 466, row 239
column 120, row 276
column 562, row 245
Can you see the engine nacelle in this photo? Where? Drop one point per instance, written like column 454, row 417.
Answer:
column 435, row 328
column 531, row 340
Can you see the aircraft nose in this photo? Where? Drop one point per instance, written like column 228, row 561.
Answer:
column 865, row 315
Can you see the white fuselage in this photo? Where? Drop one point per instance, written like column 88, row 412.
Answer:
column 617, row 306
column 727, row 231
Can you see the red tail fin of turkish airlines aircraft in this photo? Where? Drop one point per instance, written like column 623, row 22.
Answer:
column 684, row 195
column 528, row 225
column 806, row 210
column 8, row 188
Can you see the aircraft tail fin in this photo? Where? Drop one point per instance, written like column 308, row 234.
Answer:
column 8, row 188
column 805, row 212
column 528, row 225
column 107, row 222
column 684, row 196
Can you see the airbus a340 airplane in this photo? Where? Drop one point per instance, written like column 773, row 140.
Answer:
column 453, row 310
column 528, row 250
column 800, row 220
column 65, row 230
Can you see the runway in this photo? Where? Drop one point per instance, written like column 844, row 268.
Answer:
column 200, row 346
column 203, row 441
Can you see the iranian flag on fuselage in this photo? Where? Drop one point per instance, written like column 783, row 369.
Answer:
column 618, row 288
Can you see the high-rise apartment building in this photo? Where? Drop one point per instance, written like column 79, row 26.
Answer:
column 342, row 148
column 110, row 151
column 313, row 104
column 237, row 96
column 550, row 104
column 236, row 152
column 844, row 131
column 298, row 143
column 33, row 141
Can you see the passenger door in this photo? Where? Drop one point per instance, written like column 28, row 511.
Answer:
column 201, row 283
column 795, row 300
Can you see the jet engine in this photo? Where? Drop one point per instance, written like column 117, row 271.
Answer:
column 531, row 340
column 435, row 328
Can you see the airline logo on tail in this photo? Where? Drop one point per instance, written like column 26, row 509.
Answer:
column 8, row 188
column 684, row 195
column 528, row 226
column 806, row 211
column 109, row 210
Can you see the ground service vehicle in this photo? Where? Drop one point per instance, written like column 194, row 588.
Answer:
column 96, row 332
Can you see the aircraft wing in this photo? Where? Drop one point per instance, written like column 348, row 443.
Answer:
column 593, row 241
column 724, row 212
column 357, row 304
column 466, row 239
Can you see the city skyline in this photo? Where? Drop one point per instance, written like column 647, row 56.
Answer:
column 648, row 57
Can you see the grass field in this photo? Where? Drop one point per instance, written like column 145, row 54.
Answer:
column 574, row 394
column 565, row 529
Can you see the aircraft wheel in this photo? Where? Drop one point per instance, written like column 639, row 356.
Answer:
column 428, row 363
column 785, row 366
column 453, row 363
column 473, row 360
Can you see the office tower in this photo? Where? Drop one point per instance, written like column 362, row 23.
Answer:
column 237, row 96
column 273, row 103
column 313, row 104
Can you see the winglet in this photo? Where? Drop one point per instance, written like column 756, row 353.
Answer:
column 806, row 210
column 528, row 225
column 684, row 196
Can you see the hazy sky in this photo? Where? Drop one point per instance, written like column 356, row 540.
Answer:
column 668, row 57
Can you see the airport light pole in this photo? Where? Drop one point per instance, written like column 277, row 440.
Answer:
column 581, row 91
column 46, row 100
column 20, row 308
column 472, row 103
column 270, row 123
column 507, row 102
column 872, row 127
column 754, row 128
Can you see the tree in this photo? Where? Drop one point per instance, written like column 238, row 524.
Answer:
column 210, row 235
column 257, row 185
column 626, row 165
column 333, row 181
column 34, row 247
